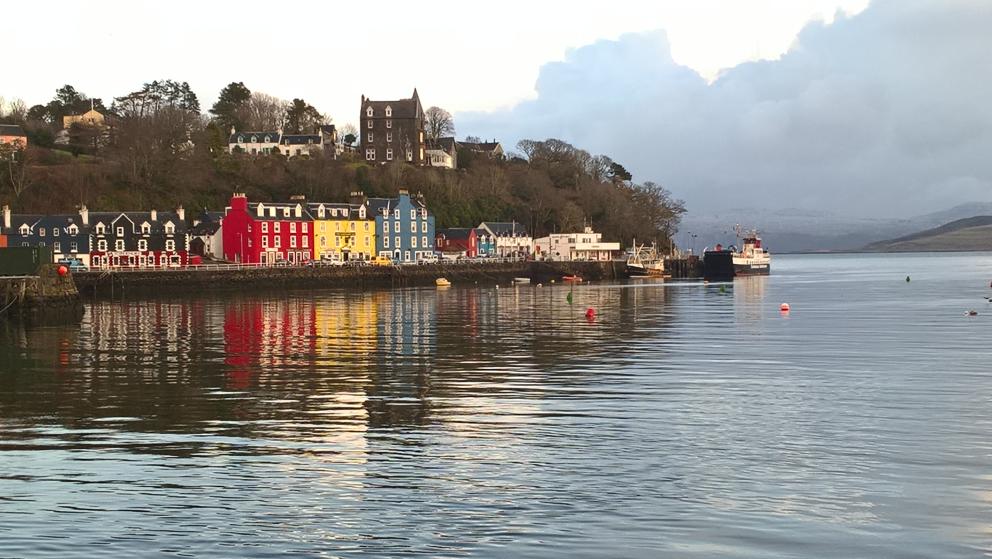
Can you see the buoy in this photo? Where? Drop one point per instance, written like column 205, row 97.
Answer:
column 972, row 312
column 784, row 307
column 552, row 281
column 907, row 279
column 63, row 270
column 497, row 286
column 723, row 289
column 590, row 313
column 539, row 285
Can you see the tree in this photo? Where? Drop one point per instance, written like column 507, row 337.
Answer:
column 349, row 134
column 302, row 118
column 229, row 109
column 438, row 123
column 477, row 140
column 265, row 112
column 618, row 174
column 15, row 165
column 68, row 96
column 17, row 111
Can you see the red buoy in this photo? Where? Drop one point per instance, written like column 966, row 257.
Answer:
column 63, row 270
column 784, row 307
column 590, row 313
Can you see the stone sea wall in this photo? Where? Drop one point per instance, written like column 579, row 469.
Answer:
column 48, row 293
column 275, row 278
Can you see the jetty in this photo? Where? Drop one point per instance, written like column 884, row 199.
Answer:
column 30, row 286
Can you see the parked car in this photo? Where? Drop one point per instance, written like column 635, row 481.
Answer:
column 74, row 264
column 381, row 261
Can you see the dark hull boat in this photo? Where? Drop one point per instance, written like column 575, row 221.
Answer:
column 728, row 263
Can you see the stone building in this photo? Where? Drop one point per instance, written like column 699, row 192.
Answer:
column 393, row 130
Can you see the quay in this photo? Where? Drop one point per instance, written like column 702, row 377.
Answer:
column 231, row 277
column 42, row 295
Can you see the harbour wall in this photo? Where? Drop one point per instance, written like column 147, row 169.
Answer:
column 220, row 278
column 45, row 294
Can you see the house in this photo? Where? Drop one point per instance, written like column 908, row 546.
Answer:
column 13, row 134
column 149, row 239
column 266, row 233
column 393, row 130
column 575, row 246
column 442, row 152
column 404, row 228
column 254, row 143
column 90, row 129
column 344, row 231
column 460, row 241
column 486, row 242
column 492, row 149
column 511, row 239
column 91, row 117
column 66, row 235
column 207, row 235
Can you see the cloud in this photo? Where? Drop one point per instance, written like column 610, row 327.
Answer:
column 888, row 112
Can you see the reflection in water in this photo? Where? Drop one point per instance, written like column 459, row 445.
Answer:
column 682, row 421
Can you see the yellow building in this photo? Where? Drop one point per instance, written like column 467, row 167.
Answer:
column 342, row 231
column 91, row 117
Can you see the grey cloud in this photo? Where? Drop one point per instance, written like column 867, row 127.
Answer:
column 888, row 112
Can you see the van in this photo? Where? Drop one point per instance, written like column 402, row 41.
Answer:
column 381, row 261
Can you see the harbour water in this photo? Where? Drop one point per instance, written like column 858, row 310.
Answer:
column 685, row 420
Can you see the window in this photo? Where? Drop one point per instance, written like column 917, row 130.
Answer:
column 142, row 244
column 409, row 155
column 170, row 229
column 119, row 246
column 275, row 227
column 413, row 226
column 41, row 232
column 101, row 246
column 389, row 111
column 292, row 227
column 370, row 155
column 366, row 226
column 241, row 139
column 268, row 139
column 55, row 231
column 396, row 226
column 423, row 226
column 423, row 213
column 396, row 213
column 423, row 241
column 278, row 241
column 73, row 230
column 385, row 242
column 413, row 242
column 361, row 215
column 389, row 154
column 368, row 111
column 389, row 124
column 352, row 224
column 370, row 137
column 306, row 242
column 170, row 245
column 285, row 212
column 303, row 227
column 323, row 227
column 370, row 125
column 265, row 242
column 120, row 231
column 74, row 246
column 265, row 227
column 396, row 241
column 57, row 246
column 145, row 228
column 366, row 241
column 292, row 242
column 389, row 136
column 254, row 140
column 413, row 214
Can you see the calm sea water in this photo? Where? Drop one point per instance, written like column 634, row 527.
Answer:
column 686, row 420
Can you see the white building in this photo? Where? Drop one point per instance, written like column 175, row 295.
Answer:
column 440, row 158
column 511, row 238
column 586, row 245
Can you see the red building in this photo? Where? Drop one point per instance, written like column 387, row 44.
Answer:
column 263, row 233
column 457, row 240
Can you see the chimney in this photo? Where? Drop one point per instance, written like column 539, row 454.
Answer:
column 6, row 218
column 357, row 198
column 154, row 215
column 181, row 213
column 84, row 215
column 233, row 130
column 239, row 202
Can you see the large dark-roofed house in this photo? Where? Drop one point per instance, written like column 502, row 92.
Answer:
column 393, row 130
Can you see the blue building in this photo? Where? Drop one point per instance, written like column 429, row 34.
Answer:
column 404, row 228
column 486, row 242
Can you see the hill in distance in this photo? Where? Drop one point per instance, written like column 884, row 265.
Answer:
column 968, row 234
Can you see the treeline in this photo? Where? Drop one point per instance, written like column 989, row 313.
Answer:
column 163, row 152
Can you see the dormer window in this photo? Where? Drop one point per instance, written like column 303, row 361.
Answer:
column 361, row 213
column 120, row 231
column 73, row 230
column 170, row 228
column 145, row 228
column 267, row 139
column 100, row 229
column 320, row 213
column 25, row 229
column 285, row 212
column 389, row 111
column 241, row 139
column 254, row 139
column 368, row 112
column 389, row 124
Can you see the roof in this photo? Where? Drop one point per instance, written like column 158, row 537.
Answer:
column 459, row 233
column 504, row 228
column 482, row 146
column 402, row 108
column 11, row 130
column 351, row 210
column 157, row 225
column 447, row 144
column 304, row 215
column 300, row 139
column 273, row 136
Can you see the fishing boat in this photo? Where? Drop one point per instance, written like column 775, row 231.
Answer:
column 645, row 262
column 521, row 280
column 442, row 282
column 572, row 278
column 750, row 260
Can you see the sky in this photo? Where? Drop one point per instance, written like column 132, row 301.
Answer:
column 844, row 106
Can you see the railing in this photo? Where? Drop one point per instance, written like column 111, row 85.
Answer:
column 308, row 264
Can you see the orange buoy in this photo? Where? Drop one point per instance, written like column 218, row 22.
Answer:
column 590, row 313
column 784, row 307
column 63, row 270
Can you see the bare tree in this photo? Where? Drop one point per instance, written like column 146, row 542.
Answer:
column 265, row 112
column 438, row 123
column 17, row 110
column 15, row 164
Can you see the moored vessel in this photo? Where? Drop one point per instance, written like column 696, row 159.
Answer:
column 752, row 259
column 645, row 262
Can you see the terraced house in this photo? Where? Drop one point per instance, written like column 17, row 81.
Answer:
column 404, row 228
column 66, row 235
column 149, row 239
column 267, row 233
column 343, row 231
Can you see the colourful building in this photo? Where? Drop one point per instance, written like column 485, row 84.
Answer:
column 13, row 134
column 404, row 228
column 457, row 241
column 266, row 233
column 343, row 231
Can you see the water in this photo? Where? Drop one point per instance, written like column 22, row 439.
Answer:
column 471, row 421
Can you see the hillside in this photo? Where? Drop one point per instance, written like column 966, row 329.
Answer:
column 968, row 234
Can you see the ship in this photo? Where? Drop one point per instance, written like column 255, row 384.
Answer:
column 752, row 259
column 645, row 262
